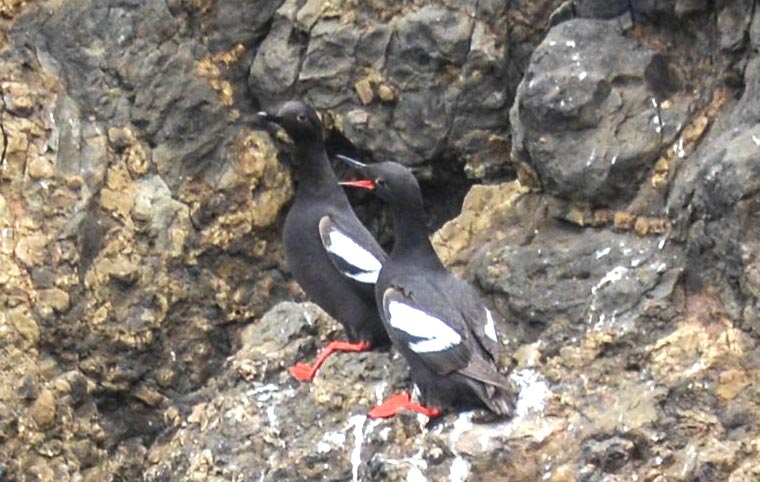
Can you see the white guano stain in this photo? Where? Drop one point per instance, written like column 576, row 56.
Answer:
column 614, row 275
column 357, row 423
column 680, row 152
column 418, row 467
column 331, row 440
column 380, row 390
column 459, row 470
column 591, row 157
column 533, row 392
column 601, row 253
column 462, row 424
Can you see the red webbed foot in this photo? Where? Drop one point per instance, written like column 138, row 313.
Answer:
column 306, row 373
column 303, row 372
column 403, row 401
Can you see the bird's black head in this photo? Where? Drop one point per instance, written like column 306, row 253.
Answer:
column 390, row 181
column 299, row 120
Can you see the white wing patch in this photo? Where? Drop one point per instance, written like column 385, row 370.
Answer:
column 490, row 328
column 369, row 277
column 434, row 333
column 366, row 264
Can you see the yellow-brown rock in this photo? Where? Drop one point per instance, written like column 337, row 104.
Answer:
column 483, row 207
column 24, row 325
column 44, row 409
column 30, row 249
column 40, row 168
column 364, row 91
column 386, row 93
column 54, row 298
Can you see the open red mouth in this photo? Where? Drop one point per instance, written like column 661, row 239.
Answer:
column 363, row 184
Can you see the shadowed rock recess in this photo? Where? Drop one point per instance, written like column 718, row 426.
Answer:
column 148, row 316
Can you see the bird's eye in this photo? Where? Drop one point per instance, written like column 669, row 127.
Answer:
column 380, row 182
column 301, row 117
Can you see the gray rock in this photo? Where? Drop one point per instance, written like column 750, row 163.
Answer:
column 275, row 68
column 754, row 31
column 70, row 141
column 712, row 205
column 651, row 10
column 733, row 23
column 319, row 430
column 638, row 11
column 426, row 41
column 575, row 98
column 747, row 111
column 600, row 8
column 277, row 339
column 418, row 57
column 600, row 279
column 329, row 58
column 609, row 454
column 684, row 8
column 163, row 107
column 226, row 24
column 139, row 48
column 373, row 44
column 140, row 253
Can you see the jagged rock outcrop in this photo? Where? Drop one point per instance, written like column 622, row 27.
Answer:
column 148, row 317
column 411, row 84
column 587, row 120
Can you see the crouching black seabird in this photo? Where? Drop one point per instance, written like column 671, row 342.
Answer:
column 328, row 250
column 436, row 320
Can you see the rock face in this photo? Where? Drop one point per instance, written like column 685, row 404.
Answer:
column 148, row 317
column 586, row 119
column 412, row 84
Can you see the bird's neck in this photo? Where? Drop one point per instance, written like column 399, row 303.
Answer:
column 411, row 241
column 314, row 170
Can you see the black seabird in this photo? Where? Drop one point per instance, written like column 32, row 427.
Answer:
column 436, row 320
column 328, row 250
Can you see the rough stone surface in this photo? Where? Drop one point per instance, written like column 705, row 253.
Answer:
column 416, row 84
column 138, row 214
column 148, row 318
column 594, row 278
column 713, row 204
column 584, row 119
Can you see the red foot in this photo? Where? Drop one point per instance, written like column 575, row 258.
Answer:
column 306, row 373
column 393, row 405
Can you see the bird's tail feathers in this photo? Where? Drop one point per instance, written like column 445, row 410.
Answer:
column 496, row 391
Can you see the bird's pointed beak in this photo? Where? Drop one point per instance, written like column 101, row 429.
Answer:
column 266, row 116
column 359, row 166
column 363, row 184
column 351, row 161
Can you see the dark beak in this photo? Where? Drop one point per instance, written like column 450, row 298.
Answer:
column 351, row 162
column 266, row 116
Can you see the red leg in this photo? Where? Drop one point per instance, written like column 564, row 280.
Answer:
column 393, row 405
column 305, row 373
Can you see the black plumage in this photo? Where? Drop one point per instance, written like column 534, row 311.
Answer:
column 436, row 320
column 328, row 250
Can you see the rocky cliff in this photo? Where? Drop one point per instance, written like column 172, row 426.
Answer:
column 613, row 154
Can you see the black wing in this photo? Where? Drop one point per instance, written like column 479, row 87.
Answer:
column 480, row 319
